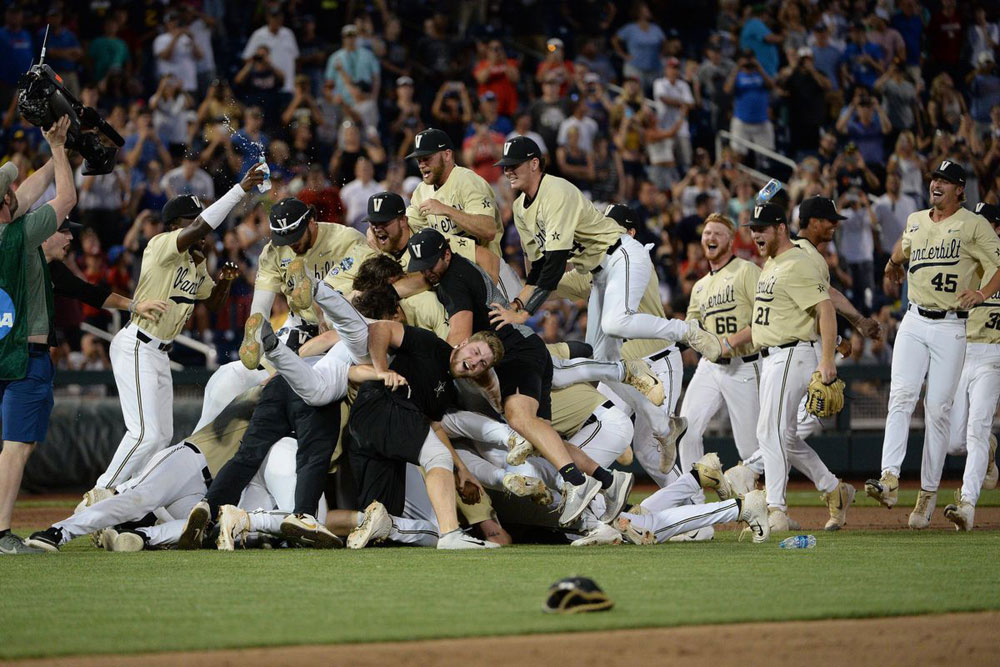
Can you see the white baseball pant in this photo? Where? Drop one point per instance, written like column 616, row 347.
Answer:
column 972, row 414
column 671, row 515
column 784, row 379
column 146, row 394
column 934, row 349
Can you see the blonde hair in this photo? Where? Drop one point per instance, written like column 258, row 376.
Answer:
column 722, row 220
column 492, row 341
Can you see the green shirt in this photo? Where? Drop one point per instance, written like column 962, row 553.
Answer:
column 39, row 225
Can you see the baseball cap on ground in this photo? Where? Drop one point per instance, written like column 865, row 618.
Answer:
column 8, row 174
column 819, row 207
column 425, row 248
column 950, row 171
column 181, row 206
column 429, row 142
column 288, row 221
column 576, row 594
column 623, row 215
column 768, row 214
column 517, row 150
column 384, row 207
column 989, row 211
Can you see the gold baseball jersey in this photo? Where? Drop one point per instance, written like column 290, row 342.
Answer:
column 572, row 405
column 171, row 275
column 561, row 218
column 468, row 192
column 723, row 300
column 424, row 310
column 576, row 285
column 788, row 289
column 815, row 256
column 948, row 257
column 984, row 320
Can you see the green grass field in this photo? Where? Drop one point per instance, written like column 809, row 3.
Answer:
column 87, row 601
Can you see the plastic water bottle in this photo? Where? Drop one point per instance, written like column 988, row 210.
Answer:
column 266, row 184
column 767, row 192
column 798, row 542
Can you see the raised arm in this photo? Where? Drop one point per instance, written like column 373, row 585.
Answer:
column 33, row 186
column 213, row 216
column 65, row 198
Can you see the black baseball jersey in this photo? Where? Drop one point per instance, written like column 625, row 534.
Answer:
column 425, row 361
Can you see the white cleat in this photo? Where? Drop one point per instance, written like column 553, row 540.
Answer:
column 304, row 529
column 709, row 471
column 755, row 515
column 741, row 479
column 837, row 501
column 920, row 517
column 94, row 496
column 518, row 449
column 962, row 514
column 127, row 542
column 301, row 296
column 457, row 539
column 234, row 526
column 524, row 486
column 639, row 376
column 616, row 495
column 374, row 528
column 194, row 530
column 705, row 534
column 601, row 534
column 778, row 520
column 667, row 444
column 633, row 535
column 575, row 499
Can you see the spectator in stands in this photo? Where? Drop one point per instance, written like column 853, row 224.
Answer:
column 862, row 64
column 482, row 149
column 148, row 194
column 899, row 97
column 609, row 173
column 910, row 25
column 892, row 209
column 586, row 126
column 177, row 53
column 355, row 194
column 302, row 110
column 523, row 128
column 108, row 50
column 171, row 109
column 320, row 193
column 856, row 246
column 700, row 181
column 761, row 40
column 452, row 110
column 639, row 44
column 303, row 151
column 888, row 38
column 143, row 145
column 314, row 50
column 405, row 118
column 804, row 87
column 946, row 105
column 750, row 86
column 282, row 47
column 555, row 66
column 351, row 64
column 189, row 179
column 984, row 37
column 575, row 163
column 433, row 49
column 260, row 82
column 219, row 103
column 488, row 109
column 945, row 32
column 909, row 166
column 549, row 111
column 851, row 171
column 627, row 125
column 201, row 27
column 689, row 228
column 984, row 91
column 216, row 154
column 102, row 200
column 793, row 31
column 250, row 142
column 827, row 57
column 674, row 101
column 16, row 51
column 498, row 74
column 353, row 146
column 62, row 53
column 598, row 103
column 710, row 81
column 595, row 60
column 865, row 123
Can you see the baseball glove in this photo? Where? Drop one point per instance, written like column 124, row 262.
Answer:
column 824, row 400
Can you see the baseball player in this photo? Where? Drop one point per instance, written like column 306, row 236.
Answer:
column 558, row 226
column 300, row 254
column 459, row 203
column 173, row 269
column 790, row 297
column 950, row 251
column 976, row 400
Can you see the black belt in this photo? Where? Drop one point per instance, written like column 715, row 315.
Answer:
column 665, row 352
column 725, row 361
column 941, row 314
column 611, row 250
column 42, row 348
column 592, row 419
column 162, row 347
column 764, row 352
column 206, row 474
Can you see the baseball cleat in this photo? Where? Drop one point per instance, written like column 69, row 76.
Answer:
column 12, row 545
column 633, row 535
column 48, row 540
column 920, row 517
column 741, row 479
column 301, row 298
column 837, row 501
column 962, row 514
column 705, row 343
column 754, row 514
column 777, row 520
column 306, row 530
column 127, row 541
column 234, row 525
column 705, row 534
column 708, row 469
column 524, row 486
column 576, row 497
column 638, row 375
column 374, row 528
column 992, row 472
column 457, row 539
column 94, row 496
column 251, row 348
column 194, row 529
column 667, row 444
column 600, row 534
column 616, row 495
column 885, row 489
column 518, row 449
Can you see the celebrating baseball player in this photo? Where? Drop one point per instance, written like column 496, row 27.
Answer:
column 954, row 257
column 173, row 269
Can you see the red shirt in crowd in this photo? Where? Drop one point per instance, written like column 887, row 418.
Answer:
column 500, row 84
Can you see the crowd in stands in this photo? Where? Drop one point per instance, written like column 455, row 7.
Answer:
column 626, row 99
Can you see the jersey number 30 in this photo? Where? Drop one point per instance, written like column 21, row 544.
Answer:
column 763, row 316
column 945, row 282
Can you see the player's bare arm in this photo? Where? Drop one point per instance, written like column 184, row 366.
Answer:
column 382, row 335
column 227, row 274
column 213, row 216
column 970, row 297
column 65, row 198
column 735, row 340
column 828, row 334
column 482, row 227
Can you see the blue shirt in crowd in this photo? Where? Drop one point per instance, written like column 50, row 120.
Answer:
column 16, row 54
column 863, row 73
column 752, row 37
column 249, row 150
column 751, row 97
column 911, row 28
column 643, row 45
column 827, row 60
column 985, row 89
column 64, row 39
column 868, row 138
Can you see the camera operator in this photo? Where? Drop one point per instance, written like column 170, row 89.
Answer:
column 26, row 303
column 261, row 81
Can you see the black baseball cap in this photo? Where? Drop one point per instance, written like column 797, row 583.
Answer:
column 517, row 150
column 425, row 248
column 385, row 207
column 768, row 214
column 288, row 221
column 181, row 206
column 950, row 171
column 819, row 207
column 429, row 142
column 71, row 227
column 623, row 215
column 989, row 211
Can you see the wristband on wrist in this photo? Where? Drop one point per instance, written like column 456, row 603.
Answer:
column 517, row 302
column 892, row 262
column 131, row 307
column 729, row 346
column 980, row 293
